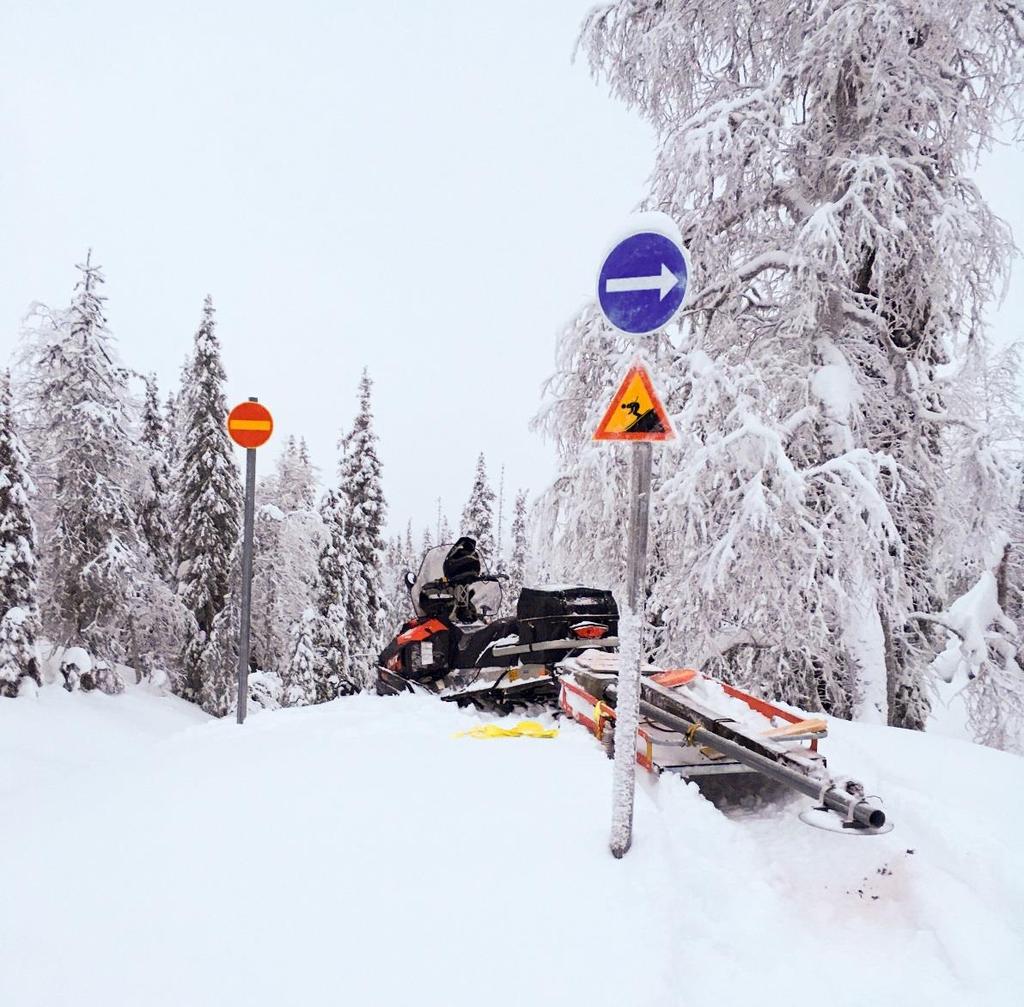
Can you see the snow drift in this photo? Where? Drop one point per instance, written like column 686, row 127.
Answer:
column 357, row 852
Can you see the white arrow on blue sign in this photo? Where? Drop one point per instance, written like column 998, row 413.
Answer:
column 642, row 284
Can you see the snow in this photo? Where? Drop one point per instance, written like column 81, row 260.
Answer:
column 835, row 385
column 357, row 851
column 969, row 616
column 79, row 657
column 16, row 615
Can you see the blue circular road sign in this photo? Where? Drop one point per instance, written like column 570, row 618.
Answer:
column 642, row 284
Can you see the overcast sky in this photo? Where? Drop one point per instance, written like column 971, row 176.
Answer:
column 423, row 189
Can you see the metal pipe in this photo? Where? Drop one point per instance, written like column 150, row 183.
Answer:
column 534, row 648
column 627, row 718
column 850, row 806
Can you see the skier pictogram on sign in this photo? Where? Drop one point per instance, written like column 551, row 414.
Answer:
column 636, row 412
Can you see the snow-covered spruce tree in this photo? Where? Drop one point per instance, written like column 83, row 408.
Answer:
column 19, row 621
column 292, row 486
column 478, row 514
column 364, row 511
column 395, row 564
column 171, row 430
column 154, row 508
column 217, row 651
column 288, row 533
column 499, row 534
column 298, row 677
column 517, row 559
column 208, row 498
column 581, row 520
column 270, row 567
column 816, row 161
column 981, row 543
column 331, row 630
column 93, row 563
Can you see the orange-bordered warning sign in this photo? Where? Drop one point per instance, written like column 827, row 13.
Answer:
column 250, row 424
column 636, row 412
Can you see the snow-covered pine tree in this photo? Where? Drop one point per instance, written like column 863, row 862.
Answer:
column 408, row 547
column 288, row 533
column 478, row 514
column 498, row 563
column 269, row 632
column 292, row 487
column 513, row 587
column 581, row 525
column 208, row 498
column 217, row 651
column 817, row 165
column 171, row 431
column 394, row 566
column 364, row 509
column 331, row 629
column 19, row 621
column 154, row 515
column 981, row 552
column 298, row 677
column 93, row 564
column 444, row 530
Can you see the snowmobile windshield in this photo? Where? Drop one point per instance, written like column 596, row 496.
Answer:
column 447, row 585
column 484, row 598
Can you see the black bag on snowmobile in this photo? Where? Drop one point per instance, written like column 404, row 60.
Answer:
column 566, row 613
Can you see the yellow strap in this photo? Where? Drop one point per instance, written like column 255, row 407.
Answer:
column 694, row 728
column 602, row 713
column 524, row 729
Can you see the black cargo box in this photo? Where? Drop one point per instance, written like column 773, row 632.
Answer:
column 547, row 613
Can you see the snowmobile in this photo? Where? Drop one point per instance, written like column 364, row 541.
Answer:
column 560, row 651
column 459, row 648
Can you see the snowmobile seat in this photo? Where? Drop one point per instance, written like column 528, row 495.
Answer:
column 473, row 648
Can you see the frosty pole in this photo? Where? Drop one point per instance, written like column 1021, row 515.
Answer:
column 641, row 287
column 627, row 710
column 635, row 415
column 250, row 426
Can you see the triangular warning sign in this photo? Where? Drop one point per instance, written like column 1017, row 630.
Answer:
column 636, row 412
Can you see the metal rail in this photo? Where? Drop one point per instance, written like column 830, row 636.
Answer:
column 850, row 806
column 536, row 648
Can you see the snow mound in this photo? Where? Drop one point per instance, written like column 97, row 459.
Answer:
column 359, row 852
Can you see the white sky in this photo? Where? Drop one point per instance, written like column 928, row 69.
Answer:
column 425, row 189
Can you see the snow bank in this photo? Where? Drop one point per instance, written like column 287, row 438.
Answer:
column 356, row 852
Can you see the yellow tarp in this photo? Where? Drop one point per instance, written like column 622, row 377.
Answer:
column 524, row 729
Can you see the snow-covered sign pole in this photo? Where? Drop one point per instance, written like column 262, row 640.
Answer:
column 641, row 287
column 250, row 426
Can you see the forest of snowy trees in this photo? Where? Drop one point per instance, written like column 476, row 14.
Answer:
column 120, row 525
column 839, row 523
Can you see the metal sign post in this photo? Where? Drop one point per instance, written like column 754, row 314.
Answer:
column 246, row 613
column 641, row 287
column 627, row 707
column 250, row 425
column 636, row 416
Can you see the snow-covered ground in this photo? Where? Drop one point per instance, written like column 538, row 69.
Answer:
column 358, row 853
